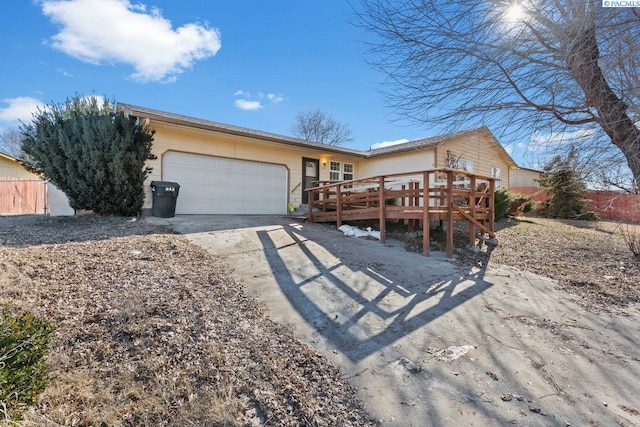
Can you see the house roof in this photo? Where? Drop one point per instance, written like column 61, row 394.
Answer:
column 230, row 129
column 425, row 143
column 8, row 157
column 435, row 141
column 532, row 170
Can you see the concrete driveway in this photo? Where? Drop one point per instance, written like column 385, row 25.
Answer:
column 429, row 343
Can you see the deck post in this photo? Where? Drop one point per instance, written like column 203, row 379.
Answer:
column 425, row 214
column 410, row 224
column 472, row 210
column 450, row 214
column 381, row 207
column 338, row 206
column 310, row 195
column 492, row 206
column 325, row 196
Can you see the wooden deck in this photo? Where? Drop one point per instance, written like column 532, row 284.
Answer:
column 419, row 197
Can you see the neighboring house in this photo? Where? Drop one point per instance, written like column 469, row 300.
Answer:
column 23, row 192
column 11, row 168
column 223, row 169
column 524, row 177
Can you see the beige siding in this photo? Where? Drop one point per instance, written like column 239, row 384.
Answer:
column 409, row 161
column 196, row 141
column 480, row 149
column 12, row 169
column 524, row 178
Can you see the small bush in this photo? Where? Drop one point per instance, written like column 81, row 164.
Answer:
column 24, row 345
column 564, row 183
column 632, row 239
column 502, row 200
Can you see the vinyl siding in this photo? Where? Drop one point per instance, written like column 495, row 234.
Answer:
column 479, row 149
column 190, row 140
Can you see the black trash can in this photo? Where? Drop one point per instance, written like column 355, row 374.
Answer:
column 165, row 195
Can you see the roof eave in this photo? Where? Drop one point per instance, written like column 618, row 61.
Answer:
column 233, row 130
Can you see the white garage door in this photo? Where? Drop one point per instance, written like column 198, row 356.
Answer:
column 215, row 185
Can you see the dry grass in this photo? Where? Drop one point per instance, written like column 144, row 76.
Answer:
column 589, row 259
column 153, row 331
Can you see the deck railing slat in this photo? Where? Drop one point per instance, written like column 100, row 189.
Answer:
column 434, row 194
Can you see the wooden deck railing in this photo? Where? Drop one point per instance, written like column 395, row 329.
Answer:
column 420, row 197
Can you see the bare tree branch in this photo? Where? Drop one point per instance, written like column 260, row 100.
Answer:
column 318, row 126
column 565, row 65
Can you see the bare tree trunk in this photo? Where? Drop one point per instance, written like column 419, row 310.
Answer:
column 583, row 54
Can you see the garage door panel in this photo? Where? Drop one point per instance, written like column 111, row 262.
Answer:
column 215, row 185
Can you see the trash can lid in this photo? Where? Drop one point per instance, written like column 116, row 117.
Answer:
column 164, row 184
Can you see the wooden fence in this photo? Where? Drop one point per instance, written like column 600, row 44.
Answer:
column 19, row 196
column 607, row 204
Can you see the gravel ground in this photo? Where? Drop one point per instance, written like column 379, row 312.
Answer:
column 151, row 330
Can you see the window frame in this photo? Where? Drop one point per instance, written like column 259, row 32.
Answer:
column 338, row 171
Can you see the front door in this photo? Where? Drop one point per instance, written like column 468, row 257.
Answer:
column 310, row 173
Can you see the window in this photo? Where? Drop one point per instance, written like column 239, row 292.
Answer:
column 347, row 172
column 457, row 162
column 496, row 173
column 341, row 171
column 334, row 171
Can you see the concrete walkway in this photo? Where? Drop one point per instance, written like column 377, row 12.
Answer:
column 426, row 342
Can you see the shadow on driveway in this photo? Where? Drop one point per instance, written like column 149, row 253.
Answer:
column 354, row 298
column 426, row 342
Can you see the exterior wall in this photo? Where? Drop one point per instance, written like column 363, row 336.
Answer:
column 11, row 169
column 479, row 148
column 409, row 161
column 191, row 140
column 58, row 202
column 524, row 178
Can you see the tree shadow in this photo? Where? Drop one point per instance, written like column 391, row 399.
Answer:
column 344, row 302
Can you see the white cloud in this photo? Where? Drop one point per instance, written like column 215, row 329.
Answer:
column 276, row 99
column 540, row 141
column 19, row 109
column 508, row 149
column 245, row 104
column 252, row 102
column 116, row 31
column 388, row 143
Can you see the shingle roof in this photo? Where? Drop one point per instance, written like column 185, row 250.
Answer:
column 424, row 143
column 230, row 129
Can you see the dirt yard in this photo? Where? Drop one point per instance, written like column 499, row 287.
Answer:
column 152, row 330
column 588, row 258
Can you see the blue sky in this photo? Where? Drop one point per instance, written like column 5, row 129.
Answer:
column 252, row 63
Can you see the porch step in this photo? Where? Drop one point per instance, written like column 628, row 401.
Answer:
column 302, row 210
